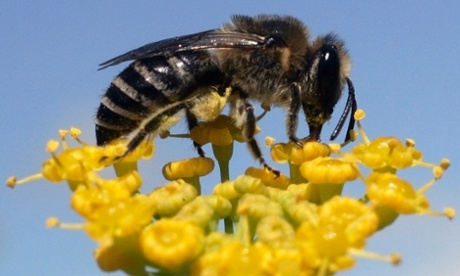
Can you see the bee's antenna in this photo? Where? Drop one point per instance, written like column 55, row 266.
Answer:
column 351, row 105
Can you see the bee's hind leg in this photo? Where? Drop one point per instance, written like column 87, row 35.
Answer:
column 192, row 122
column 242, row 112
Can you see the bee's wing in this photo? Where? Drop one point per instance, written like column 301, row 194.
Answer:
column 212, row 39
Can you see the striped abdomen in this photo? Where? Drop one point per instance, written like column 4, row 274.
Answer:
column 149, row 85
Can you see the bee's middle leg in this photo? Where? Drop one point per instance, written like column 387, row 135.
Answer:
column 242, row 113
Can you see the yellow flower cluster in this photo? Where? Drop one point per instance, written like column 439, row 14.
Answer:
column 287, row 225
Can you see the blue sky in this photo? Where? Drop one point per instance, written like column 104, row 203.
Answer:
column 405, row 70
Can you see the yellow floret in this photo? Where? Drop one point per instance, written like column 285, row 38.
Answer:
column 329, row 170
column 171, row 244
column 280, row 182
column 186, row 168
column 170, row 198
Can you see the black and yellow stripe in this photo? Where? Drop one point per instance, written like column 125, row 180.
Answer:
column 151, row 86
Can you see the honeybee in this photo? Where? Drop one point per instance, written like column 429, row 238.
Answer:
column 267, row 59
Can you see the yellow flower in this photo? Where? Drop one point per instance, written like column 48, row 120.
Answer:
column 387, row 153
column 188, row 168
column 122, row 186
column 300, row 191
column 219, row 132
column 171, row 244
column 344, row 224
column 235, row 259
column 121, row 254
column 221, row 206
column 298, row 210
column 327, row 170
column 299, row 225
column 145, row 150
column 323, row 247
column 275, row 231
column 258, row 206
column 288, row 261
column 77, row 165
column 73, row 164
column 198, row 212
column 226, row 190
column 170, row 198
column 305, row 237
column 120, row 218
column 280, row 182
column 357, row 220
column 247, row 184
column 87, row 198
column 387, row 189
column 290, row 152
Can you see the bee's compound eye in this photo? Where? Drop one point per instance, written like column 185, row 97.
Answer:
column 329, row 64
column 328, row 74
column 275, row 41
column 329, row 54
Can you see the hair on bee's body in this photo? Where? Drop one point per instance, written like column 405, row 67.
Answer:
column 266, row 58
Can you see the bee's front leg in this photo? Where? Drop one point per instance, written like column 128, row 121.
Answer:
column 293, row 114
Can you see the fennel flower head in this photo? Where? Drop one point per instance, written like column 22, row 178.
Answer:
column 257, row 223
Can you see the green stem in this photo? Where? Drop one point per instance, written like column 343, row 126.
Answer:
column 328, row 191
column 223, row 155
column 386, row 216
column 243, row 230
column 228, row 225
column 195, row 182
column 295, row 175
column 213, row 225
column 123, row 168
column 315, row 193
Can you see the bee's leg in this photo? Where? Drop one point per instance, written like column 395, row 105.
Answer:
column 315, row 120
column 293, row 114
column 154, row 122
column 192, row 122
column 242, row 113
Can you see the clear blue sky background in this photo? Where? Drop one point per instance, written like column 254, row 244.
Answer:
column 405, row 69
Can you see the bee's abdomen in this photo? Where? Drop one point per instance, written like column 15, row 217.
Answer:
column 147, row 86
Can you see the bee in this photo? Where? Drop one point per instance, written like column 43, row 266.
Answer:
column 268, row 59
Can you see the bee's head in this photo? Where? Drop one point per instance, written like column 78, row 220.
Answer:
column 327, row 72
column 328, row 69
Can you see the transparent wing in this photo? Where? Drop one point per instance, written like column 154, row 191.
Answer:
column 211, row 39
